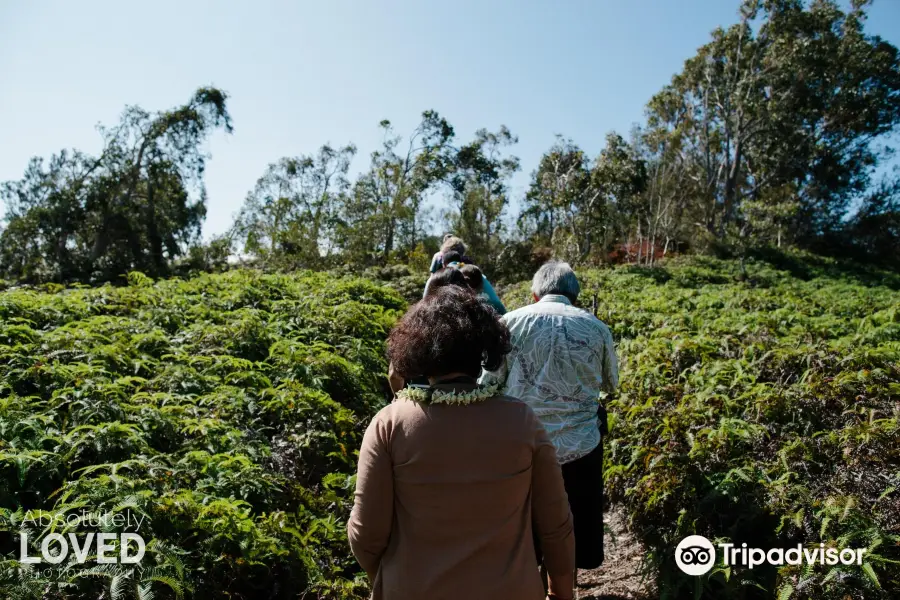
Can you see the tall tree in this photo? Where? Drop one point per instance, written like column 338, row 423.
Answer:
column 722, row 96
column 579, row 207
column 615, row 207
column 136, row 206
column 480, row 192
column 561, row 182
column 794, row 106
column 383, row 213
column 46, row 234
column 293, row 210
column 669, row 190
column 834, row 91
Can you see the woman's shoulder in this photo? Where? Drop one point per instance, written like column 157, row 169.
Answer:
column 397, row 408
column 392, row 416
column 407, row 418
column 512, row 404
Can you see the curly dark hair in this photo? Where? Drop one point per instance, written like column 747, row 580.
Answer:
column 451, row 256
column 449, row 331
column 454, row 256
column 473, row 277
column 444, row 277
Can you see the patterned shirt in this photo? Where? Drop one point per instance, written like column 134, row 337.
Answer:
column 563, row 358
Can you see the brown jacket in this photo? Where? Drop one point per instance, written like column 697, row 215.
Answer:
column 446, row 496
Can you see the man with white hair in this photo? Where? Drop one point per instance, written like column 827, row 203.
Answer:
column 562, row 364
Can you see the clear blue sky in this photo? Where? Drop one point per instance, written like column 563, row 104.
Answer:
column 301, row 74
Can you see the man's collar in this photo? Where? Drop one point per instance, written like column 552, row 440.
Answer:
column 556, row 298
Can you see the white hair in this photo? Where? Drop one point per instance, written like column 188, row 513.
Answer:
column 556, row 277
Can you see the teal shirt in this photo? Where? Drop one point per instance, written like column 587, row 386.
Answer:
column 492, row 297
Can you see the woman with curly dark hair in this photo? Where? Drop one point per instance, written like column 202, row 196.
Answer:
column 443, row 277
column 456, row 482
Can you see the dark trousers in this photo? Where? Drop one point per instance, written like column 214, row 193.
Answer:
column 583, row 479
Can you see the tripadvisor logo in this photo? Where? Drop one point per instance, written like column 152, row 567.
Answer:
column 695, row 555
column 127, row 547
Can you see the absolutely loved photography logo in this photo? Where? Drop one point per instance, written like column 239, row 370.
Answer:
column 696, row 555
column 50, row 539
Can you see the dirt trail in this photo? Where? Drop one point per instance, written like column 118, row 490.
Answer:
column 619, row 578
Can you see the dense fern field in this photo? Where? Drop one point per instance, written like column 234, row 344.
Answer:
column 222, row 413
column 757, row 407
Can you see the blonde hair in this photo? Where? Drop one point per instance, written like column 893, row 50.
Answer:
column 453, row 244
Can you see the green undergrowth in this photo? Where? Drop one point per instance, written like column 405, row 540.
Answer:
column 223, row 411
column 758, row 404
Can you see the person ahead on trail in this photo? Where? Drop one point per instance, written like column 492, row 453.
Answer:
column 562, row 363
column 446, row 277
column 454, row 260
column 473, row 277
column 451, row 243
column 455, row 482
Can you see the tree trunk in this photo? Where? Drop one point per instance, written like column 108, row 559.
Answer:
column 156, row 244
column 389, row 237
column 731, row 186
column 640, row 244
column 62, row 256
column 102, row 238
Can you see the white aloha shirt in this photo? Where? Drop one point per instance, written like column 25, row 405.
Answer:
column 563, row 358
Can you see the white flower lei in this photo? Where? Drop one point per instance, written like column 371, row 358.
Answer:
column 448, row 397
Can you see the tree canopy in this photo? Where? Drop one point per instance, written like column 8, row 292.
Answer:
column 137, row 206
column 771, row 134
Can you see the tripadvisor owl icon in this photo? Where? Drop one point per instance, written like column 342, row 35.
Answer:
column 695, row 555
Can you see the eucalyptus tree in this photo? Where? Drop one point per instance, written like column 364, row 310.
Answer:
column 136, row 206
